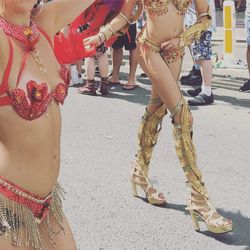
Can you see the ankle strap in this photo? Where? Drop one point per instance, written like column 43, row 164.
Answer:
column 154, row 101
column 177, row 108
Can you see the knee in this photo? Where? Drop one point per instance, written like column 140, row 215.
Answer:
column 177, row 118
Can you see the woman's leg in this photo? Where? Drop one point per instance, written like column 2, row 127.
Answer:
column 147, row 138
column 168, row 90
column 64, row 241
column 5, row 244
column 79, row 70
column 89, row 88
column 103, row 64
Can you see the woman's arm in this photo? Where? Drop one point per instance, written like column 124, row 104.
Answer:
column 194, row 32
column 120, row 21
column 59, row 13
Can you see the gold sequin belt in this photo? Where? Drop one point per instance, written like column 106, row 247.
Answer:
column 149, row 45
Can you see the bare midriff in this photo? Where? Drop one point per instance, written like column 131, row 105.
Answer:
column 161, row 28
column 30, row 150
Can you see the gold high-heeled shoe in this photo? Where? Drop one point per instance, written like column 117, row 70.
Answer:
column 199, row 205
column 152, row 195
column 147, row 139
column 203, row 209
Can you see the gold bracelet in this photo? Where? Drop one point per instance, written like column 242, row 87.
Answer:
column 194, row 32
column 99, row 36
column 111, row 29
column 107, row 32
column 204, row 14
column 122, row 15
column 105, row 38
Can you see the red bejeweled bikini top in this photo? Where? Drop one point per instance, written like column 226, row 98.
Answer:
column 38, row 98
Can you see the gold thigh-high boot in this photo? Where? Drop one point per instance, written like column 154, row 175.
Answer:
column 199, row 204
column 147, row 139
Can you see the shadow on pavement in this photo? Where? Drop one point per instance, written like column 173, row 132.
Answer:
column 238, row 237
column 234, row 101
column 139, row 95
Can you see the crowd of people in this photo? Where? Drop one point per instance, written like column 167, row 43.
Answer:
column 199, row 77
column 34, row 84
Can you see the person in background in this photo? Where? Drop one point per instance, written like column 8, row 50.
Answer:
column 103, row 65
column 201, row 51
column 246, row 86
column 140, row 24
column 128, row 41
column 76, row 73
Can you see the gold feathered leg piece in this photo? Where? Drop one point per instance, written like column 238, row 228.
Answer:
column 147, row 139
column 199, row 204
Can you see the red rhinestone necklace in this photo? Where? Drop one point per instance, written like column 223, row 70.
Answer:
column 28, row 36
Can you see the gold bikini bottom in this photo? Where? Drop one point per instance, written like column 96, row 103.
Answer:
column 149, row 45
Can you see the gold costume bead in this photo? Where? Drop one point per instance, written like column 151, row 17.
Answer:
column 20, row 224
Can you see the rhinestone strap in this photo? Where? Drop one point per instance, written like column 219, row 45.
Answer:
column 22, row 193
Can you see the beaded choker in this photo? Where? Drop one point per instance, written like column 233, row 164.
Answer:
column 28, row 36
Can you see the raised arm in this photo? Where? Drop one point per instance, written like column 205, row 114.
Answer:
column 123, row 19
column 58, row 13
column 194, row 32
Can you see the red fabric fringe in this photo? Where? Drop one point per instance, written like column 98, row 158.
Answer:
column 69, row 47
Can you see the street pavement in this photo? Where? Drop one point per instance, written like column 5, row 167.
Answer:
column 98, row 145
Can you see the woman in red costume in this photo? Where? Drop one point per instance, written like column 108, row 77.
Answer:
column 32, row 86
column 161, row 49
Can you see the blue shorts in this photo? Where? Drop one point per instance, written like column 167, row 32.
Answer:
column 202, row 49
column 247, row 25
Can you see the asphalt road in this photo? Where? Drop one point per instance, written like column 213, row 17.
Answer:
column 98, row 146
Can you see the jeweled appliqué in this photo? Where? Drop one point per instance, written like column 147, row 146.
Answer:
column 36, row 103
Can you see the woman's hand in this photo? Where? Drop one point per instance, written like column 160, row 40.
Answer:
column 92, row 41
column 173, row 45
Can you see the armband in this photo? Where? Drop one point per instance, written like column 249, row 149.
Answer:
column 194, row 32
column 108, row 31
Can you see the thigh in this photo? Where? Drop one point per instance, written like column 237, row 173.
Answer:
column 5, row 244
column 64, row 241
column 90, row 68
column 103, row 64
column 164, row 77
column 154, row 94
